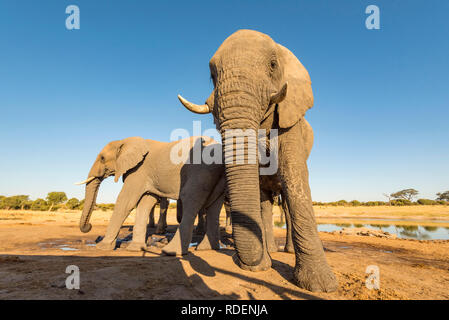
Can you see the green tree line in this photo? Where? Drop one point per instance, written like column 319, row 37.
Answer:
column 54, row 201
column 58, row 200
column 404, row 197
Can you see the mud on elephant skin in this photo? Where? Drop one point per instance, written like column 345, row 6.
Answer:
column 260, row 84
column 149, row 173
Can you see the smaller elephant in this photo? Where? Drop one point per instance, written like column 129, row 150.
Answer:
column 149, row 172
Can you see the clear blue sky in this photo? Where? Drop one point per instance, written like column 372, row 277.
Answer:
column 381, row 96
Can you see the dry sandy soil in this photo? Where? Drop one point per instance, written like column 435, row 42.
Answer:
column 33, row 264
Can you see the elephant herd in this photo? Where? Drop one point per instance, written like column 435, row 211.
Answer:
column 258, row 85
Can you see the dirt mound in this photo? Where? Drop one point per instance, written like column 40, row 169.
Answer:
column 365, row 232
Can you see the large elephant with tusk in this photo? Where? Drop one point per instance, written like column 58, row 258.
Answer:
column 260, row 84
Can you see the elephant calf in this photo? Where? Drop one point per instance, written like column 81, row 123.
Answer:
column 152, row 170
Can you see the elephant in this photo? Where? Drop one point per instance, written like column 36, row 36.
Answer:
column 271, row 188
column 150, row 172
column 259, row 84
column 161, row 226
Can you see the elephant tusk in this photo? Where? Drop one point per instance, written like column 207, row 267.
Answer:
column 279, row 96
column 201, row 109
column 85, row 181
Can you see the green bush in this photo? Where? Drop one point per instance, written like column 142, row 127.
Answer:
column 72, row 203
column 172, row 205
column 279, row 224
column 374, row 203
column 426, row 202
column 401, row 202
column 39, row 205
column 355, row 203
column 105, row 206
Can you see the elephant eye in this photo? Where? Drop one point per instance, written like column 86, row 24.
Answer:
column 273, row 64
column 102, row 158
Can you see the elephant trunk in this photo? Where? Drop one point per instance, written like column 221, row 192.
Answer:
column 243, row 185
column 89, row 204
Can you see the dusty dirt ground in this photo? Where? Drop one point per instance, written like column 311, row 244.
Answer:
column 33, row 264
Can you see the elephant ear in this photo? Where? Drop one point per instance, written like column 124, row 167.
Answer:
column 307, row 136
column 130, row 152
column 299, row 96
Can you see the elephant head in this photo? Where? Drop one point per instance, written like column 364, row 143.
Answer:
column 116, row 158
column 254, row 78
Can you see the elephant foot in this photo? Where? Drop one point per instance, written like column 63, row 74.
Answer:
column 173, row 250
column 136, row 246
column 106, row 246
column 264, row 265
column 161, row 229
column 315, row 277
column 206, row 244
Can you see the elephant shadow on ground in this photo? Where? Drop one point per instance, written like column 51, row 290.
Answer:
column 151, row 237
column 106, row 277
column 283, row 269
column 204, row 269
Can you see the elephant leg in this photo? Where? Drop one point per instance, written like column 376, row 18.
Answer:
column 127, row 200
column 211, row 240
column 288, row 223
column 151, row 224
column 266, row 204
column 179, row 210
column 145, row 205
column 201, row 227
column 228, row 214
column 179, row 244
column 162, row 222
column 312, row 271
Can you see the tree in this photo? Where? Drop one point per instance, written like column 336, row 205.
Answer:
column 73, row 203
column 55, row 197
column 388, row 196
column 15, row 202
column 406, row 194
column 443, row 196
column 81, row 205
column 39, row 205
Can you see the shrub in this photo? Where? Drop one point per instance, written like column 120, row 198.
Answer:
column 279, row 224
column 355, row 203
column 172, row 205
column 105, row 206
column 73, row 203
column 39, row 205
column 81, row 205
column 426, row 202
column 15, row 202
column 401, row 202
